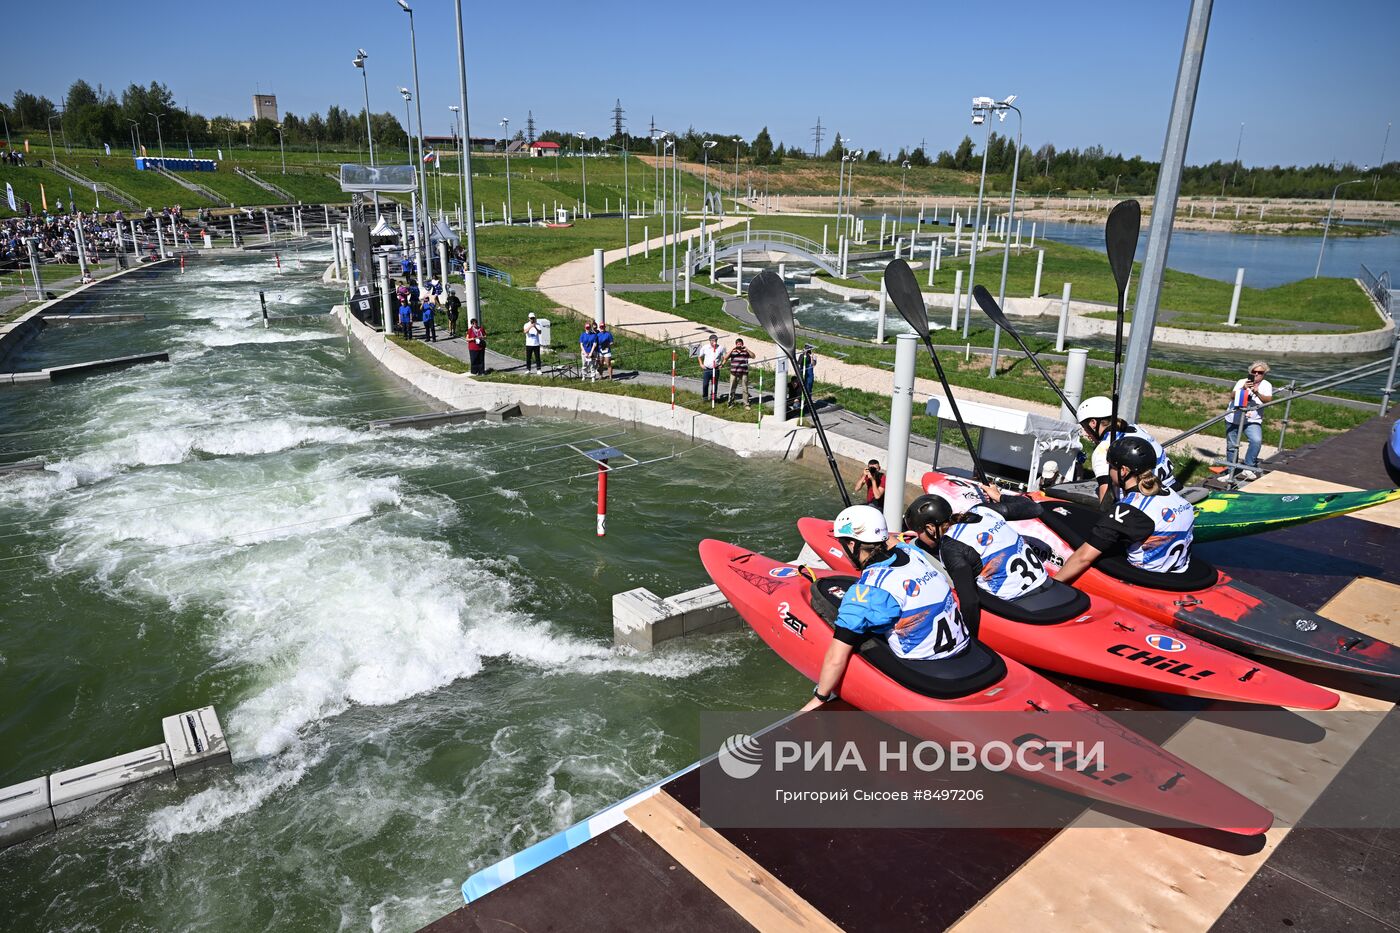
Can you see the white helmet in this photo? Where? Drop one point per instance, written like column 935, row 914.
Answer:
column 861, row 522
column 1096, row 406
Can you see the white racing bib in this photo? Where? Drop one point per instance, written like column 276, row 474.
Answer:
column 1010, row 568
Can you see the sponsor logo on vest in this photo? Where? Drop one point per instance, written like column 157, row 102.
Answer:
column 985, row 538
column 911, row 587
column 1161, row 662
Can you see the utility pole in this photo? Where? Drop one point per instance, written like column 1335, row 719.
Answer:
column 817, row 139
column 617, row 119
column 530, row 127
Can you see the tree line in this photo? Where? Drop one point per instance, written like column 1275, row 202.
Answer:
column 92, row 116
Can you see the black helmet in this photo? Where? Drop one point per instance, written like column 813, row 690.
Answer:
column 927, row 510
column 1135, row 453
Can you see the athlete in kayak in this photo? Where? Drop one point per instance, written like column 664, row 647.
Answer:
column 1094, row 415
column 902, row 595
column 1150, row 525
column 981, row 538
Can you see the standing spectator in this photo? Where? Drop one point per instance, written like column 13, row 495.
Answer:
column 476, row 347
column 739, row 359
column 532, row 344
column 809, row 370
column 1250, row 394
column 402, row 292
column 429, row 327
column 711, row 357
column 605, row 345
column 454, row 304
column 588, row 350
column 873, row 482
column 406, row 320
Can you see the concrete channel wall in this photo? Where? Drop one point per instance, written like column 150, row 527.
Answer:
column 17, row 333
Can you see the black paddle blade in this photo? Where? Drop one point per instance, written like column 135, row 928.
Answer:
column 768, row 297
column 1120, row 238
column 903, row 289
column 989, row 307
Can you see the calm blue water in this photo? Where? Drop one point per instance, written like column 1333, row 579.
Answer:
column 1267, row 260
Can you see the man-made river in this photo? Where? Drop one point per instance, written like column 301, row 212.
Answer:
column 407, row 634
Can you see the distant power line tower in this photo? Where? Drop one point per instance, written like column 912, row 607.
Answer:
column 817, row 139
column 653, row 127
column 617, row 119
column 530, row 126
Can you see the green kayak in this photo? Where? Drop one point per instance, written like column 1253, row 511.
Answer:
column 1221, row 515
column 1232, row 514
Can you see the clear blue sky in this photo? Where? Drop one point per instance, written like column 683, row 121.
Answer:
column 1312, row 82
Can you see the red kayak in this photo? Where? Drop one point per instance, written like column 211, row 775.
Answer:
column 1201, row 601
column 779, row 604
column 1093, row 638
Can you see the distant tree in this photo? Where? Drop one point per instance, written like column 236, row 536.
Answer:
column 762, row 148
column 962, row 158
column 837, row 148
column 918, row 156
column 873, row 155
column 32, row 112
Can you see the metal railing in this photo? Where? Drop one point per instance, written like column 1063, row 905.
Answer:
column 111, row 190
column 265, row 184
column 773, row 236
column 1378, row 287
column 191, row 186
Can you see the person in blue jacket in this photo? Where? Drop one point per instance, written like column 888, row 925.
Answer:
column 588, row 348
column 429, row 327
column 406, row 320
column 901, row 595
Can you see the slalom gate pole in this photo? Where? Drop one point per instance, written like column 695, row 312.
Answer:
column 277, row 257
column 262, row 297
column 602, row 497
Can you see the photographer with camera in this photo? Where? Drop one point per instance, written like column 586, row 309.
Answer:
column 1249, row 395
column 873, row 482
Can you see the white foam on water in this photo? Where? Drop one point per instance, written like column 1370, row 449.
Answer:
column 177, row 443
column 230, row 797
column 251, row 335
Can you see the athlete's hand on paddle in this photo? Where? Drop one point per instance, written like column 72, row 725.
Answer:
column 993, row 492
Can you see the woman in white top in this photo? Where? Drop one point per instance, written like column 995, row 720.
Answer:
column 1250, row 394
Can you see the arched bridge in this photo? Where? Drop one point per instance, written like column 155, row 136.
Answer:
column 770, row 241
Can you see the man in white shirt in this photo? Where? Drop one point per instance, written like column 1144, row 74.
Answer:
column 532, row 331
column 1250, row 394
column 711, row 356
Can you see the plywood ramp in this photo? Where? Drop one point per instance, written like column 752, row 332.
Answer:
column 1100, row 874
column 748, row 888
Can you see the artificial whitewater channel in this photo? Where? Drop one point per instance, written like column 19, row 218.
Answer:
column 407, row 634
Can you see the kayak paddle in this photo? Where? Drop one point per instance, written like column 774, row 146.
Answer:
column 903, row 288
column 768, row 297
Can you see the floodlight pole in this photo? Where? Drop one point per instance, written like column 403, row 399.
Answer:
column 359, row 62
column 1327, row 224
column 977, row 219
column 159, row 136
column 468, row 274
column 510, row 206
column 421, row 174
column 1006, row 238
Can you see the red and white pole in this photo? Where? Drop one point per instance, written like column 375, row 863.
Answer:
column 278, row 257
column 673, row 380
column 182, row 263
column 602, row 497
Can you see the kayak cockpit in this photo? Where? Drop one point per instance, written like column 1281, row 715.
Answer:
column 975, row 669
column 1073, row 523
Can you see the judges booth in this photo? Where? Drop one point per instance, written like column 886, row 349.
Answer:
column 1016, row 447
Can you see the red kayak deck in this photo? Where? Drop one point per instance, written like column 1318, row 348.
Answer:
column 1230, row 613
column 1110, row 644
column 775, row 601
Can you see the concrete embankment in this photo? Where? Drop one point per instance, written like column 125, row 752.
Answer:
column 17, row 333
